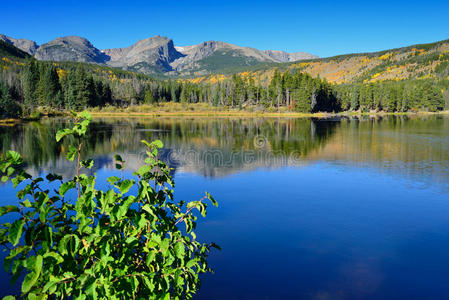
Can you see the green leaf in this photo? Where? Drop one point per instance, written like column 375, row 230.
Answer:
column 38, row 264
column 125, row 206
column 9, row 298
column 29, row 281
column 71, row 153
column 150, row 257
column 20, row 178
column 118, row 158
column 69, row 244
column 144, row 170
column 113, row 180
column 66, row 186
column 191, row 263
column 179, row 250
column 149, row 283
column 91, row 290
column 109, row 197
column 15, row 232
column 214, row 202
column 50, row 284
column 146, row 143
column 16, row 251
column 52, row 177
column 88, row 164
column 10, row 171
column 31, row 278
column 84, row 115
column 62, row 247
column 27, row 203
column 126, row 185
column 131, row 240
column 164, row 246
column 15, row 157
column 7, row 209
column 157, row 143
column 55, row 256
column 62, row 133
column 84, row 124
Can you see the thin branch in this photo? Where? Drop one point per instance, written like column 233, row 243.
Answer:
column 188, row 211
column 78, row 169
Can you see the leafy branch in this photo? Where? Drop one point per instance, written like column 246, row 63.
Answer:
column 122, row 242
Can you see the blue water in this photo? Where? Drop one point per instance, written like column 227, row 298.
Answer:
column 357, row 218
column 325, row 232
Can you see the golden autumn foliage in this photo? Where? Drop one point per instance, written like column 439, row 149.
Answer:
column 385, row 56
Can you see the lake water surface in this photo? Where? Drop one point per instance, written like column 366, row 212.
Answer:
column 308, row 209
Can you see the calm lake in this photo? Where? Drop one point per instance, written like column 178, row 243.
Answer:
column 308, row 209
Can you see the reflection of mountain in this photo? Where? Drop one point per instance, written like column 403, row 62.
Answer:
column 206, row 146
column 217, row 147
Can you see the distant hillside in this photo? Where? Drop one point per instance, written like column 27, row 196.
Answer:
column 417, row 61
column 28, row 46
column 8, row 50
column 412, row 62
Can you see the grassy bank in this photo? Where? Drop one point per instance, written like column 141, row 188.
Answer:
column 198, row 109
column 206, row 110
column 202, row 110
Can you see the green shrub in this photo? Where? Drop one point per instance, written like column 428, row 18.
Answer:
column 107, row 244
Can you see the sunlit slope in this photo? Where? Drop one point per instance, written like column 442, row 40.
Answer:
column 418, row 61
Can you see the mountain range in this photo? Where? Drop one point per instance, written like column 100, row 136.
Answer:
column 213, row 60
column 156, row 55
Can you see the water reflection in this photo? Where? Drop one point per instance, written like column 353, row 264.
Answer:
column 209, row 147
column 411, row 146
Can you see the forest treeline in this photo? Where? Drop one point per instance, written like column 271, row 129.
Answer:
column 30, row 85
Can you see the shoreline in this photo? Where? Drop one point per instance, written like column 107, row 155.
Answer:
column 226, row 114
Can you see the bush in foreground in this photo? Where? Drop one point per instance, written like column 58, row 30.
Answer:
column 95, row 244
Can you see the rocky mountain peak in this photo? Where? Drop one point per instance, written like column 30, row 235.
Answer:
column 282, row 56
column 156, row 54
column 26, row 45
column 71, row 48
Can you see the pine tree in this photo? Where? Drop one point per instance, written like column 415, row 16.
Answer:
column 30, row 81
column 7, row 105
column 148, row 99
column 83, row 89
column 70, row 96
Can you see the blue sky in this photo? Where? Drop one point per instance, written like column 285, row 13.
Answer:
column 324, row 28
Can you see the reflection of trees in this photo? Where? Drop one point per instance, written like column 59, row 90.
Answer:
column 410, row 146
column 228, row 146
column 233, row 140
column 415, row 147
